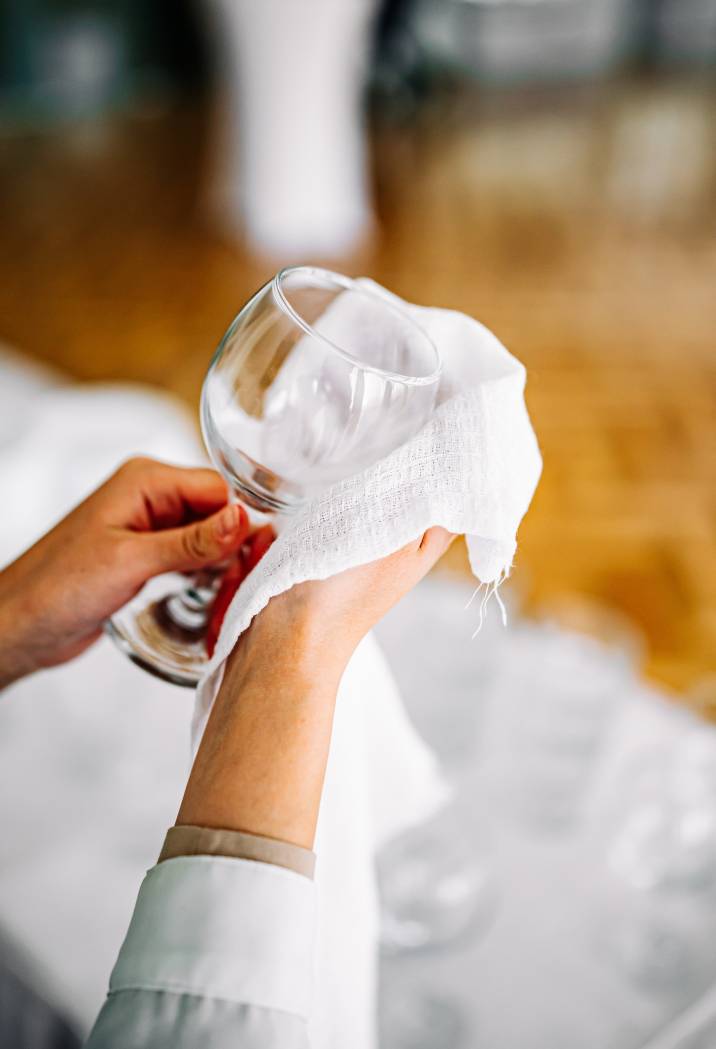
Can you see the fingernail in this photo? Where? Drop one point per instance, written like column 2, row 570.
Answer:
column 227, row 521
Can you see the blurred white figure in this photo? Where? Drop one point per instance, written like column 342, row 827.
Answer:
column 290, row 158
column 661, row 854
column 557, row 695
column 435, row 879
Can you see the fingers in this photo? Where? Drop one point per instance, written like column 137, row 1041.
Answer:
column 162, row 496
column 196, row 545
column 251, row 553
column 417, row 558
column 435, row 542
column 421, row 554
column 258, row 545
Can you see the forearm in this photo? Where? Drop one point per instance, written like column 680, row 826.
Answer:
column 262, row 760
column 231, row 945
column 16, row 655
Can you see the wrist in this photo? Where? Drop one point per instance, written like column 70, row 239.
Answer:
column 281, row 667
column 260, row 765
column 262, row 758
column 15, row 650
column 290, row 637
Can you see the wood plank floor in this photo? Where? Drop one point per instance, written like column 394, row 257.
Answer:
column 581, row 227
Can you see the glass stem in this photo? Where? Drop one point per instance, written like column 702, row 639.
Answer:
column 189, row 609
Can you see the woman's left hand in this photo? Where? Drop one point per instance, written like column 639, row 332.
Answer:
column 148, row 518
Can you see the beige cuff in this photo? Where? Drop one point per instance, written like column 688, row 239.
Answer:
column 206, row 841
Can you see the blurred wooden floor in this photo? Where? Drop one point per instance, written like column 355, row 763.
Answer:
column 581, row 227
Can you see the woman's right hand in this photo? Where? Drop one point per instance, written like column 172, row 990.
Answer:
column 262, row 759
column 333, row 615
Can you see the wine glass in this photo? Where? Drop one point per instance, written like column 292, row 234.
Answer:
column 317, row 377
column 415, row 1016
column 661, row 855
column 557, row 698
column 435, row 879
column 435, row 887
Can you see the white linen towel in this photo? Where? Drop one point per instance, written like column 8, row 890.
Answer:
column 472, row 469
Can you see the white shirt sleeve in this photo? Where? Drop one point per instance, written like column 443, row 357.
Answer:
column 218, row 952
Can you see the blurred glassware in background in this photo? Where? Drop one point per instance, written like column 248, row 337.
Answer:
column 62, row 61
column 303, row 69
column 84, row 59
column 461, row 669
column 414, row 1017
column 694, row 1028
column 661, row 853
column 71, row 65
column 568, row 942
column 662, row 161
column 527, row 40
column 434, row 884
column 435, row 880
column 287, row 170
column 666, row 835
column 557, row 692
column 543, row 41
column 684, row 31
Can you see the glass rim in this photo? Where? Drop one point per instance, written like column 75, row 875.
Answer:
column 351, row 284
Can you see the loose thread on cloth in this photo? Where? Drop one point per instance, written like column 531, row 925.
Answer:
column 490, row 590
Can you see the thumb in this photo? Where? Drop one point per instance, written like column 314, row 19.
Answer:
column 200, row 543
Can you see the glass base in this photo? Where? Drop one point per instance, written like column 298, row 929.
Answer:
column 415, row 1017
column 169, row 646
column 435, row 886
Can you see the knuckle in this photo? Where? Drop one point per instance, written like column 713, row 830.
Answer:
column 435, row 542
column 134, row 465
column 194, row 544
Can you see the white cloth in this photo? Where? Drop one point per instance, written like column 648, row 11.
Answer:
column 472, row 469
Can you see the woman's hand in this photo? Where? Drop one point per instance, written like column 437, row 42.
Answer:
column 328, row 618
column 148, row 518
column 262, row 759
